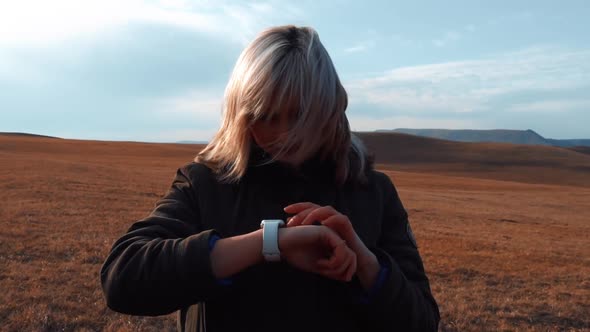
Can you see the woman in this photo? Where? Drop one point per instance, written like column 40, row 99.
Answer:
column 346, row 260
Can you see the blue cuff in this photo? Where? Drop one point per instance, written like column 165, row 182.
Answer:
column 383, row 274
column 212, row 239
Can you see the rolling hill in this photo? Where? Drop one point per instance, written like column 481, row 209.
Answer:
column 393, row 151
column 500, row 161
column 498, row 135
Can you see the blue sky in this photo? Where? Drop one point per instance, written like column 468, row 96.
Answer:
column 156, row 70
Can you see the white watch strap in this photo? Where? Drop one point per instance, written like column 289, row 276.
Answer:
column 270, row 239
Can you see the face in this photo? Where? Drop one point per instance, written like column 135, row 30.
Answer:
column 268, row 130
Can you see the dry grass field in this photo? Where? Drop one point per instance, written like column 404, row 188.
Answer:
column 504, row 231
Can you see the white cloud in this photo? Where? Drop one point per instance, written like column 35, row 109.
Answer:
column 552, row 106
column 454, row 35
column 15, row 69
column 196, row 114
column 469, row 28
column 473, row 85
column 361, row 47
column 402, row 41
column 512, row 17
column 196, row 105
column 29, row 22
column 43, row 22
column 449, row 36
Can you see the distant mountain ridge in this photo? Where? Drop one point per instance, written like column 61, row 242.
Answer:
column 191, row 142
column 529, row 137
column 5, row 133
column 497, row 136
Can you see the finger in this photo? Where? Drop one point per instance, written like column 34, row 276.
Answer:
column 299, row 217
column 331, row 261
column 337, row 274
column 297, row 207
column 342, row 272
column 312, row 216
column 340, row 224
column 319, row 214
column 337, row 220
column 338, row 256
column 332, row 238
column 351, row 270
column 342, row 268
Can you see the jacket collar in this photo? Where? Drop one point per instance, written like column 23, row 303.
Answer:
column 313, row 168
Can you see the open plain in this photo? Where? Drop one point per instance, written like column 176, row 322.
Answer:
column 504, row 230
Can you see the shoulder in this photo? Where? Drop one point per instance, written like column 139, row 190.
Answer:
column 383, row 183
column 379, row 178
column 197, row 173
column 194, row 168
column 389, row 193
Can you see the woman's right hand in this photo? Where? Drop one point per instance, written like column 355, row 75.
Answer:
column 306, row 246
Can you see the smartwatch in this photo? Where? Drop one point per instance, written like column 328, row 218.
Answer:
column 270, row 239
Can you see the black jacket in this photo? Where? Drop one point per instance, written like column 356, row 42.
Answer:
column 162, row 263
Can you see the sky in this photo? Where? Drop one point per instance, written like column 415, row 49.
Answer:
column 156, row 71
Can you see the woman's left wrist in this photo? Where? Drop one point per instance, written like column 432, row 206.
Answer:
column 367, row 270
column 367, row 262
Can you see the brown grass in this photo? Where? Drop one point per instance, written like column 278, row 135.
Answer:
column 501, row 255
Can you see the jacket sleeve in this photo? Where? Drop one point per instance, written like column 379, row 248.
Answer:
column 162, row 263
column 404, row 301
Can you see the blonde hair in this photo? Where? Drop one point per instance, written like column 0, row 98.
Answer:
column 286, row 69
